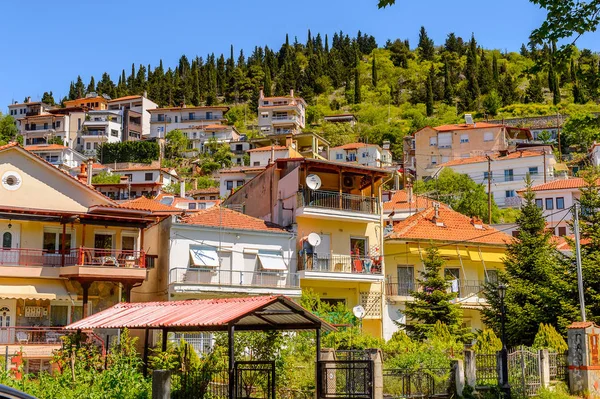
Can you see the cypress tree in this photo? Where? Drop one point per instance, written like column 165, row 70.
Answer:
column 267, row 84
column 556, row 92
column 471, row 74
column 448, row 89
column 534, row 93
column 357, row 97
column 91, row 86
column 374, row 72
column 429, row 94
column 426, row 46
column 495, row 73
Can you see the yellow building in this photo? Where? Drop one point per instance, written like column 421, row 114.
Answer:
column 90, row 101
column 473, row 254
column 338, row 205
column 67, row 250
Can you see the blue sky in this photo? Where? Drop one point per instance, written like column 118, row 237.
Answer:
column 47, row 44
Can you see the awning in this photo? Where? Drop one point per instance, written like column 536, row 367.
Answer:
column 271, row 261
column 42, row 290
column 561, row 167
column 204, row 256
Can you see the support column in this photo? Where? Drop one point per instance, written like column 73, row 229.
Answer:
column 85, row 286
column 165, row 335
column 127, row 287
column 317, row 370
column 470, row 369
column 230, row 342
column 161, row 384
column 458, row 372
column 544, row 368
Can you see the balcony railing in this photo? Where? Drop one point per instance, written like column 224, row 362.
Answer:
column 340, row 263
column 214, row 276
column 166, row 119
column 73, row 257
column 94, row 133
column 464, row 288
column 335, row 200
column 32, row 335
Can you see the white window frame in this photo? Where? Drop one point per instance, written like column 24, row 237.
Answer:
column 58, row 231
column 432, row 141
column 135, row 236
column 464, row 138
column 488, row 136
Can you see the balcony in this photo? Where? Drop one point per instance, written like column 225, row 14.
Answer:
column 465, row 289
column 32, row 335
column 202, row 280
column 320, row 266
column 93, row 133
column 338, row 206
column 155, row 119
column 284, row 119
column 78, row 263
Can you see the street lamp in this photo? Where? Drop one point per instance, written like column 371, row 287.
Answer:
column 504, row 352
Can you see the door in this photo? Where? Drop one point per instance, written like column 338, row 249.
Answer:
column 453, row 274
column 406, row 280
column 9, row 243
column 103, row 244
column 6, row 322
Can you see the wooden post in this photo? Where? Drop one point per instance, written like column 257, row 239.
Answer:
column 230, row 342
column 165, row 334
column 85, row 287
column 83, row 235
column 341, row 182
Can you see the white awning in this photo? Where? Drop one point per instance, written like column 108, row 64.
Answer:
column 204, row 256
column 48, row 291
column 271, row 261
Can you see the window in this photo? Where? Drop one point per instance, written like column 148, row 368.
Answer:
column 488, row 136
column 114, row 132
column 160, row 117
column 539, row 203
column 239, row 147
column 149, row 176
column 78, row 123
column 365, row 154
column 192, row 116
column 358, row 246
column 464, row 138
column 59, row 315
column 229, row 184
column 176, row 118
column 192, row 205
column 562, row 231
column 549, row 204
column 128, row 242
column 432, row 141
column 53, row 241
column 339, row 157
column 129, row 176
column 88, row 146
column 7, row 239
column 445, row 159
column 453, row 275
column 533, row 170
column 444, row 140
column 209, row 115
column 352, row 157
column 95, row 145
column 406, row 280
column 510, row 193
column 433, row 160
column 256, row 163
column 508, row 175
column 560, row 203
column 239, row 183
column 491, row 276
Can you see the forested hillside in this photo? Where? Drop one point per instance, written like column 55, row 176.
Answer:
column 394, row 88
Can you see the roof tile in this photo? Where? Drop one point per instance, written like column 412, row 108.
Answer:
column 218, row 216
column 400, row 201
column 495, row 157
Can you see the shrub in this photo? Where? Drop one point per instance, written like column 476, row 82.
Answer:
column 487, row 342
column 548, row 338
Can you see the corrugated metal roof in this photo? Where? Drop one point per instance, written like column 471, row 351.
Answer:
column 206, row 315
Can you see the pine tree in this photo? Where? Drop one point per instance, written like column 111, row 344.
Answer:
column 91, row 86
column 508, row 90
column 484, row 76
column 374, row 72
column 486, row 342
column 473, row 92
column 448, row 89
column 536, row 279
column 267, row 84
column 548, row 338
column 426, row 46
column 432, row 301
column 357, row 97
column 79, row 88
column 429, row 92
column 534, row 93
column 495, row 73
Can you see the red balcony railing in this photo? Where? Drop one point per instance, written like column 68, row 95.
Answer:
column 73, row 257
column 25, row 335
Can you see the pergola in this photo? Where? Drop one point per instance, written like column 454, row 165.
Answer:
column 260, row 313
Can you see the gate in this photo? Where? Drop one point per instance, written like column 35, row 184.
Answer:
column 422, row 383
column 255, row 379
column 524, row 371
column 339, row 379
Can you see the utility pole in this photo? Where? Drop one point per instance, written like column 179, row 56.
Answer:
column 558, row 138
column 578, row 259
column 489, row 189
column 544, row 152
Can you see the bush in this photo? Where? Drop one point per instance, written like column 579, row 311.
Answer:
column 128, row 151
column 548, row 338
column 487, row 342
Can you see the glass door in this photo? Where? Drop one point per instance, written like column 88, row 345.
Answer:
column 406, row 280
column 103, row 244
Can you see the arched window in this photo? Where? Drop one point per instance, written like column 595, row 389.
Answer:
column 7, row 240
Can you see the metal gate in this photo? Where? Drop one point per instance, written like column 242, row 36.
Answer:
column 338, row 379
column 524, row 371
column 255, row 379
column 421, row 383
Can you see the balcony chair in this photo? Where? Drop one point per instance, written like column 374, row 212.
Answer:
column 22, row 337
column 52, row 337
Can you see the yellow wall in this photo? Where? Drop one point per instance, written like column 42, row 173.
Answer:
column 88, row 102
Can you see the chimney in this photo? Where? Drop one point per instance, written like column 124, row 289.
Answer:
column 195, row 183
column 397, row 181
column 145, row 94
column 29, row 99
column 477, row 223
column 409, row 195
column 261, row 94
column 90, row 170
column 82, row 175
column 292, row 93
column 182, row 189
column 436, row 217
column 288, row 141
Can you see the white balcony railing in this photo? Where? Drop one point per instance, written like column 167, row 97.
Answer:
column 221, row 277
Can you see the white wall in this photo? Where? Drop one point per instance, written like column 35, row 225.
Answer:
column 556, row 217
column 263, row 157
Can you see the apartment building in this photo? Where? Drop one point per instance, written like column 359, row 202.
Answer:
column 67, row 252
column 137, row 180
column 508, row 172
column 281, row 114
column 98, row 128
column 188, row 119
column 232, row 178
column 239, row 148
column 473, row 254
column 308, row 144
column 91, row 101
column 209, row 193
column 61, row 156
column 263, row 156
column 334, row 210
column 363, row 154
column 136, row 118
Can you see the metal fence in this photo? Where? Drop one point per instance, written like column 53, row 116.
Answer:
column 558, row 366
column 345, row 379
column 423, row 383
column 335, row 200
column 486, row 371
column 198, row 384
column 227, row 277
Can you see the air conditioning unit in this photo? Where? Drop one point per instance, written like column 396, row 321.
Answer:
column 348, row 181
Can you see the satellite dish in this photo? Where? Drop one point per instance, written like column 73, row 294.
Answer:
column 313, row 182
column 358, row 311
column 314, row 239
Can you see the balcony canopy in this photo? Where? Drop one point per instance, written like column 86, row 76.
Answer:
column 245, row 314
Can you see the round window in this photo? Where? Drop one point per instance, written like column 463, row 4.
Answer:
column 11, row 180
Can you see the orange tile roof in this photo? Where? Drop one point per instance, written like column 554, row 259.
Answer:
column 208, row 190
column 456, row 228
column 147, row 204
column 189, row 108
column 41, row 147
column 400, row 201
column 464, row 126
column 268, row 148
column 353, row 146
column 242, row 169
column 561, row 184
column 495, row 157
column 215, row 126
column 226, row 218
column 124, row 98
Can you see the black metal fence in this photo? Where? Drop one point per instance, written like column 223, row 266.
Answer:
column 423, row 383
column 199, row 384
column 345, row 379
column 486, row 371
column 558, row 366
column 255, row 379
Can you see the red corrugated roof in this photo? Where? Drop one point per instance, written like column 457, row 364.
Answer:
column 206, row 314
column 229, row 219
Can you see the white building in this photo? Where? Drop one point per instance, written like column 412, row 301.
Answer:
column 239, row 149
column 236, row 176
column 187, row 119
column 508, row 172
column 100, row 127
column 136, row 181
column 281, row 114
column 136, row 116
column 263, row 156
column 58, row 155
column 220, row 252
column 361, row 153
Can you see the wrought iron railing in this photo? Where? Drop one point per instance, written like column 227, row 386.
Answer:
column 26, row 335
column 335, row 200
column 340, row 263
column 463, row 288
column 486, row 371
column 215, row 276
column 421, row 383
column 72, row 257
column 558, row 366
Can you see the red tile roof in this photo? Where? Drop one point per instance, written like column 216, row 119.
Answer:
column 464, row 126
column 200, row 191
column 226, row 218
column 353, row 146
column 456, row 228
column 495, row 157
column 147, row 204
column 561, row 184
column 400, row 201
column 124, row 98
column 268, row 148
column 242, row 169
column 41, row 147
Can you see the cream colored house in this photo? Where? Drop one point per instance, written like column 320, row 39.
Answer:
column 281, row 114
